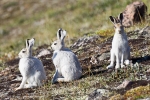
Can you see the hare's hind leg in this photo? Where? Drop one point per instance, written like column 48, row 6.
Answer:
column 127, row 58
column 55, row 77
column 112, row 59
column 122, row 60
column 24, row 80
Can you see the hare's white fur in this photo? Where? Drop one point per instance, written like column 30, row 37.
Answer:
column 31, row 68
column 120, row 51
column 66, row 63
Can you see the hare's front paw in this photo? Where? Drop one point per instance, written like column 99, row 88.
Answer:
column 117, row 66
column 110, row 66
column 16, row 89
column 123, row 66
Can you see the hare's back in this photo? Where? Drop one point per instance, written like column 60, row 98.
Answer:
column 68, row 55
column 66, row 58
column 30, row 66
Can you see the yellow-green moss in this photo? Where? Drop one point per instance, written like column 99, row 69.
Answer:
column 133, row 94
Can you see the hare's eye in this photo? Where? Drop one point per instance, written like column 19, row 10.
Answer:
column 23, row 51
column 55, row 43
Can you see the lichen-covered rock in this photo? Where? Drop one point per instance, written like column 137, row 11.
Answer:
column 99, row 94
column 43, row 53
column 84, row 41
column 134, row 12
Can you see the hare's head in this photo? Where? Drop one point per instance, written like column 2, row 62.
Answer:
column 27, row 52
column 59, row 43
column 119, row 28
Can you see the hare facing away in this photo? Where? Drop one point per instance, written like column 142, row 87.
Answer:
column 120, row 47
column 31, row 68
column 66, row 63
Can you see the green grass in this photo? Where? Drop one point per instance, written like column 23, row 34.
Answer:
column 77, row 17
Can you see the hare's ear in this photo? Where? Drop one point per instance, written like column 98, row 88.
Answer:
column 112, row 19
column 120, row 17
column 31, row 42
column 61, row 34
column 27, row 43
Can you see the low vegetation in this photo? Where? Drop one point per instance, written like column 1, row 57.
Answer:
column 80, row 17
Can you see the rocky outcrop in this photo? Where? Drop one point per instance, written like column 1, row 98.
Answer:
column 134, row 12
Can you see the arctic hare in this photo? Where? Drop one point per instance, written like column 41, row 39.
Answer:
column 120, row 47
column 66, row 63
column 31, row 68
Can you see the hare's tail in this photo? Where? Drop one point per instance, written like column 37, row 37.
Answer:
column 127, row 62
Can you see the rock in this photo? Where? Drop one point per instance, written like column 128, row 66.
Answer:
column 148, row 74
column 104, row 56
column 145, row 32
column 148, row 71
column 83, row 42
column 123, row 85
column 43, row 53
column 94, row 60
column 127, row 84
column 134, row 12
column 99, row 94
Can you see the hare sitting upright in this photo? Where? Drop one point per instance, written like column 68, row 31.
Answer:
column 120, row 47
column 66, row 63
column 31, row 68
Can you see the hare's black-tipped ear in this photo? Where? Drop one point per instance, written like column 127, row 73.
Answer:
column 120, row 17
column 59, row 33
column 27, row 43
column 112, row 19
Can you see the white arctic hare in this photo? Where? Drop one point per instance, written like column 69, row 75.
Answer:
column 66, row 63
column 120, row 47
column 31, row 68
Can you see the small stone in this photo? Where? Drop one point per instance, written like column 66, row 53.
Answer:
column 99, row 94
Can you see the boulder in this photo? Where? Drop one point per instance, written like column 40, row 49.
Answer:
column 134, row 13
